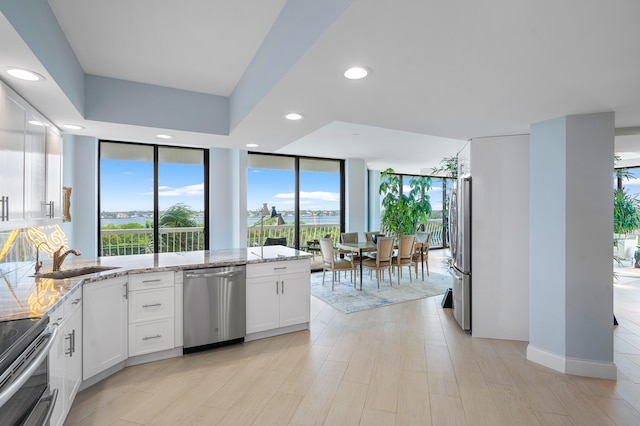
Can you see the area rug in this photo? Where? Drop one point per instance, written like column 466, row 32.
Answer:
column 347, row 299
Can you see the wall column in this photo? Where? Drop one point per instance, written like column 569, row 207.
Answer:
column 570, row 251
column 355, row 170
column 227, row 198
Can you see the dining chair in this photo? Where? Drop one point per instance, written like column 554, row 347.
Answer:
column 382, row 262
column 275, row 241
column 368, row 236
column 405, row 256
column 421, row 254
column 349, row 237
column 332, row 262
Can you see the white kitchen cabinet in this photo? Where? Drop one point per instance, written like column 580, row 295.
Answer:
column 13, row 118
column 31, row 164
column 65, row 358
column 151, row 312
column 35, row 166
column 53, row 198
column 278, row 295
column 104, row 333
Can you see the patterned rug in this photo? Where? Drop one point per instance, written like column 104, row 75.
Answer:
column 347, row 299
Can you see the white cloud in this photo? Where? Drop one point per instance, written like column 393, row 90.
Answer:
column 127, row 173
column 188, row 190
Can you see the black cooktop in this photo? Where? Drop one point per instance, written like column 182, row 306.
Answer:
column 16, row 335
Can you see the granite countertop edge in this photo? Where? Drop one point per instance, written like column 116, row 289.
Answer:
column 161, row 262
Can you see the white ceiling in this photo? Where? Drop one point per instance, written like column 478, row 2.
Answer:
column 442, row 71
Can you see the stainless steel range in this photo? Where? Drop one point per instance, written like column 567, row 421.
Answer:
column 25, row 398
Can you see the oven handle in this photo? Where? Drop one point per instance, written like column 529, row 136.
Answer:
column 53, row 397
column 6, row 394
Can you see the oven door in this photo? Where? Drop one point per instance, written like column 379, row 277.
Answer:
column 24, row 388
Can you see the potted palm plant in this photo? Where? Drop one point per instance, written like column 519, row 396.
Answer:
column 404, row 212
column 625, row 221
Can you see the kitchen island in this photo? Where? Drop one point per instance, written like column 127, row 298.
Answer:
column 27, row 296
column 129, row 309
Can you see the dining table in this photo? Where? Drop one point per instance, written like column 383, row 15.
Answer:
column 369, row 246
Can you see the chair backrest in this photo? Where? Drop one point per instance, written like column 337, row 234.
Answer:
column 405, row 246
column 326, row 248
column 368, row 235
column 384, row 249
column 349, row 237
column 275, row 241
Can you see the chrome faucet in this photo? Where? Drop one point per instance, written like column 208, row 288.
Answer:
column 58, row 258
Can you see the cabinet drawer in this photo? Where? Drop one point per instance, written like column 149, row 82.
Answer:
column 277, row 268
column 149, row 305
column 150, row 280
column 151, row 337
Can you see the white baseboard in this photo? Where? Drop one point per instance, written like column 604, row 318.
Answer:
column 276, row 331
column 578, row 367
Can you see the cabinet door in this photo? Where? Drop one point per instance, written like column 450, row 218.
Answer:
column 104, row 320
column 294, row 298
column 73, row 373
column 34, row 166
column 263, row 304
column 13, row 115
column 57, row 367
column 53, row 199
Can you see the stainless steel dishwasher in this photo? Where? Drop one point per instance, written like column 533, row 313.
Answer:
column 214, row 307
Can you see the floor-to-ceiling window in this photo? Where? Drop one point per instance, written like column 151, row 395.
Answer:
column 153, row 199
column 303, row 195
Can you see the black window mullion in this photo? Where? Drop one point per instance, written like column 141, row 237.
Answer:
column 296, row 191
column 156, row 212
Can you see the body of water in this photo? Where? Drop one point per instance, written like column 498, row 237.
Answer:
column 308, row 220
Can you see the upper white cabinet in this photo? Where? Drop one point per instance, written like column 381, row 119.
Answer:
column 30, row 164
column 13, row 118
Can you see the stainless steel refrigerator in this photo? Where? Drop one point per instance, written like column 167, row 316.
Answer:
column 460, row 234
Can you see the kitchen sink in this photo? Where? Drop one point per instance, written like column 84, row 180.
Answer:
column 76, row 272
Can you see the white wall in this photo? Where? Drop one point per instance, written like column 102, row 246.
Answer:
column 500, row 237
column 571, row 290
column 84, row 194
column 374, row 200
column 356, row 196
column 227, row 198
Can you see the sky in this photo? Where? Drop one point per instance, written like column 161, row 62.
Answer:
column 128, row 185
column 318, row 190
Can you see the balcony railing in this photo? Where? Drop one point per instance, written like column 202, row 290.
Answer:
column 118, row 242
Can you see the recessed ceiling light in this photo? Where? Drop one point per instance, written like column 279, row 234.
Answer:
column 293, row 116
column 37, row 123
column 163, row 136
column 23, row 74
column 252, row 145
column 356, row 73
column 72, row 127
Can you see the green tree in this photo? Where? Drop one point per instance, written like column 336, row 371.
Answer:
column 178, row 216
column 403, row 212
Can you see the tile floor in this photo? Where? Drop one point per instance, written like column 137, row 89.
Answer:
column 398, row 365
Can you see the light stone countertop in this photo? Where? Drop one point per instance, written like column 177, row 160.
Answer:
column 24, row 296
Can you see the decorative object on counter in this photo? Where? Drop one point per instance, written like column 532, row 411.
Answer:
column 265, row 213
column 66, row 204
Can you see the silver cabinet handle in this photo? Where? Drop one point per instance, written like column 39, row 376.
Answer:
column 282, row 284
column 152, row 305
column 69, row 337
column 277, row 290
column 124, row 286
column 5, row 208
column 157, row 336
column 280, row 268
column 152, row 281
column 76, row 301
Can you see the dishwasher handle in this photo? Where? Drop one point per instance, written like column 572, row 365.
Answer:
column 221, row 274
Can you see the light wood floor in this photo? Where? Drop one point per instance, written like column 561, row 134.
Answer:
column 398, row 365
